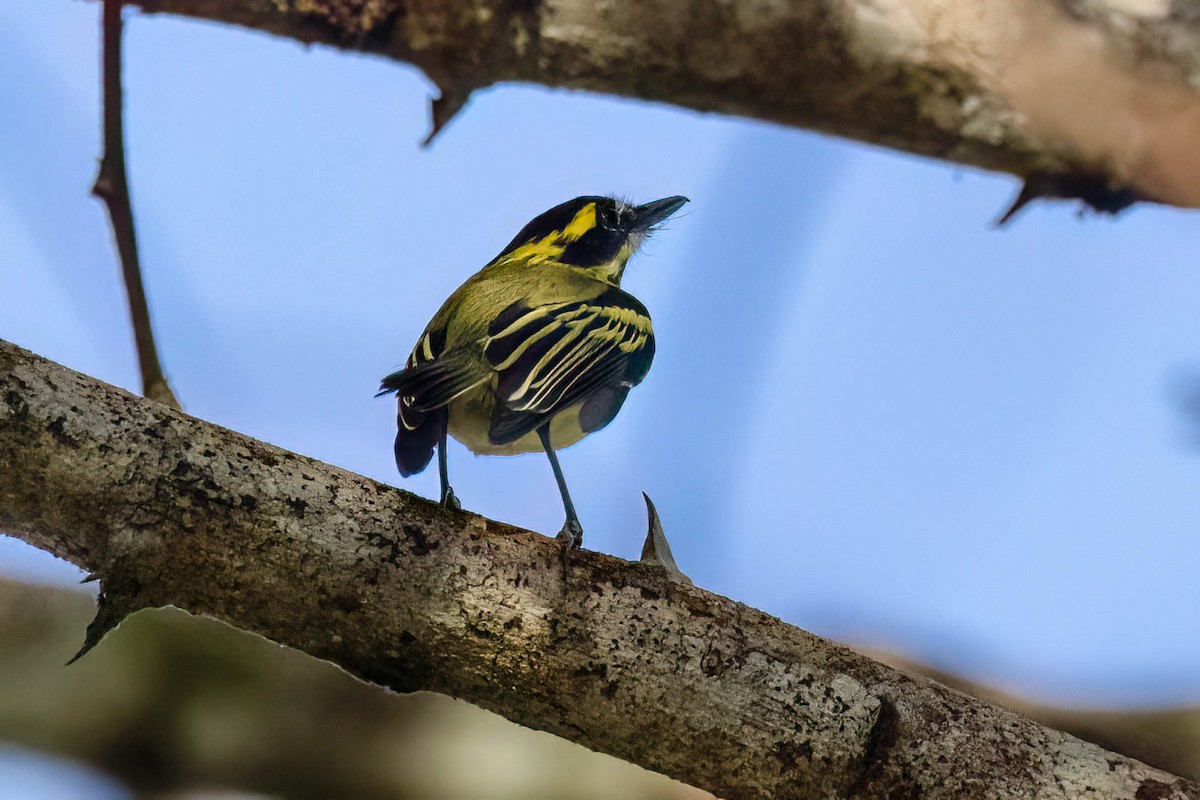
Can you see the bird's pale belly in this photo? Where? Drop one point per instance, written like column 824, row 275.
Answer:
column 470, row 418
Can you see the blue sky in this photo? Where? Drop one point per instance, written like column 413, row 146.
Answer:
column 870, row 413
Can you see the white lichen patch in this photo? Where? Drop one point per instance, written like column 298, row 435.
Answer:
column 1146, row 9
column 127, row 541
column 983, row 124
column 885, row 30
column 853, row 693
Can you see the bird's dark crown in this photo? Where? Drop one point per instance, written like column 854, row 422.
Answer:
column 591, row 232
column 585, row 231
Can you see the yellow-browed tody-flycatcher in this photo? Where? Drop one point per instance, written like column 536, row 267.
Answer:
column 537, row 349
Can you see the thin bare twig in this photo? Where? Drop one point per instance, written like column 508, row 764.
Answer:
column 113, row 188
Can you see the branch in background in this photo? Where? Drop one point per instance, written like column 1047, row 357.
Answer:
column 1088, row 95
column 1168, row 738
column 112, row 187
column 613, row 655
column 190, row 703
column 1184, row 388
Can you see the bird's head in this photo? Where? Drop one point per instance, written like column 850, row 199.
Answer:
column 596, row 234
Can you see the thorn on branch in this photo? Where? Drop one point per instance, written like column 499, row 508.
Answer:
column 443, row 109
column 656, row 551
column 1096, row 191
column 116, row 602
column 112, row 187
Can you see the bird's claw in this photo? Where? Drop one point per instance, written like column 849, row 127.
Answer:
column 571, row 535
column 450, row 500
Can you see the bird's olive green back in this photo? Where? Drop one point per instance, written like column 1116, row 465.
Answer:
column 542, row 329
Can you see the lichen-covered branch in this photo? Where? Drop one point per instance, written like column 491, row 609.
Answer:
column 168, row 509
column 1103, row 94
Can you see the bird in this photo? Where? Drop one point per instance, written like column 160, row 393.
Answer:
column 537, row 349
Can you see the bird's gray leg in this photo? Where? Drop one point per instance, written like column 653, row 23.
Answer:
column 448, row 498
column 571, row 534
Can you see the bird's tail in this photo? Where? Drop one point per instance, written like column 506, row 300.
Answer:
column 424, row 392
column 417, row 431
column 414, row 445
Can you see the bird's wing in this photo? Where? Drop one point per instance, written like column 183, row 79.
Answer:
column 433, row 378
column 436, row 383
column 550, row 357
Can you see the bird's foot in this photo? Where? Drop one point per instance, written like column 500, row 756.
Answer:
column 571, row 535
column 450, row 500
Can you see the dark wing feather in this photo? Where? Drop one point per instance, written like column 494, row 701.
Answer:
column 510, row 424
column 551, row 357
column 432, row 378
column 600, row 409
column 433, row 385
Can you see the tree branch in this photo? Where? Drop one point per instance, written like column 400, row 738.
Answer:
column 112, row 187
column 168, row 509
column 189, row 704
column 1093, row 93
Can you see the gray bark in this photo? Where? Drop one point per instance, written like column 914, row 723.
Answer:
column 170, row 510
column 1092, row 98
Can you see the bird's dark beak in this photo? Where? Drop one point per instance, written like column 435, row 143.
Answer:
column 647, row 216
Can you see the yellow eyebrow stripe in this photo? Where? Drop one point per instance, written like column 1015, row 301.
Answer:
column 551, row 246
column 536, row 252
column 584, row 221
